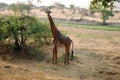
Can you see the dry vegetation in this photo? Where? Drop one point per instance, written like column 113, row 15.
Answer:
column 97, row 57
column 69, row 14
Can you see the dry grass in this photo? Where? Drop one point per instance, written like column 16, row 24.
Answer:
column 96, row 58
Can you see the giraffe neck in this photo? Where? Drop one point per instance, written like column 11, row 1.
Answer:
column 52, row 25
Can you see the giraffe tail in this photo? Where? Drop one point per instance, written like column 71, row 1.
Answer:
column 71, row 56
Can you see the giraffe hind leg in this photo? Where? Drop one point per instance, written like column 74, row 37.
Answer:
column 65, row 60
column 54, row 61
column 53, row 57
column 67, row 55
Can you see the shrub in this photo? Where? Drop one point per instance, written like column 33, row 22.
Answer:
column 22, row 31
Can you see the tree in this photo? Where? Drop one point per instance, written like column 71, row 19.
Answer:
column 31, row 1
column 91, row 12
column 24, row 30
column 59, row 5
column 105, row 15
column 3, row 6
column 21, row 7
column 72, row 6
column 105, row 7
column 14, row 8
column 84, row 12
column 104, row 3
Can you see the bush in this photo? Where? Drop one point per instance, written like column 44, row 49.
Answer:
column 34, row 54
column 22, row 31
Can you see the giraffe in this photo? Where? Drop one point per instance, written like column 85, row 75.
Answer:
column 59, row 40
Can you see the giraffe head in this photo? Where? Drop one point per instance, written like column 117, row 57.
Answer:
column 48, row 11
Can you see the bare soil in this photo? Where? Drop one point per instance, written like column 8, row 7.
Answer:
column 96, row 57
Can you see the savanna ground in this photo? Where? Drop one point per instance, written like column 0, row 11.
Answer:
column 96, row 57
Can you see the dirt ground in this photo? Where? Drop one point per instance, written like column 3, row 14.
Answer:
column 97, row 57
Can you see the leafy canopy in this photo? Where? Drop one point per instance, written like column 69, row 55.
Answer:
column 105, row 8
column 33, row 31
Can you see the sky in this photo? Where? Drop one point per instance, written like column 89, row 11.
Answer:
column 77, row 3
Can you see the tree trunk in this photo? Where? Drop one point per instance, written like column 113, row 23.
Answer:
column 104, row 22
column 22, row 40
column 17, row 46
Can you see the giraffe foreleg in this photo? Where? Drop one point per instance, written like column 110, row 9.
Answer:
column 68, row 54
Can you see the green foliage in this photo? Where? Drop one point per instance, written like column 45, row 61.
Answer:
column 3, row 6
column 64, row 32
column 72, row 6
column 23, row 7
column 104, row 7
column 25, row 34
column 62, row 58
column 95, row 4
column 24, row 30
column 41, row 35
column 1, row 36
column 91, row 26
column 105, row 14
column 14, row 8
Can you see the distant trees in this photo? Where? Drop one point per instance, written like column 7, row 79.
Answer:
column 16, row 7
column 58, row 5
column 31, row 1
column 3, row 6
column 91, row 13
column 21, row 7
column 72, row 6
column 83, row 12
column 105, row 7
